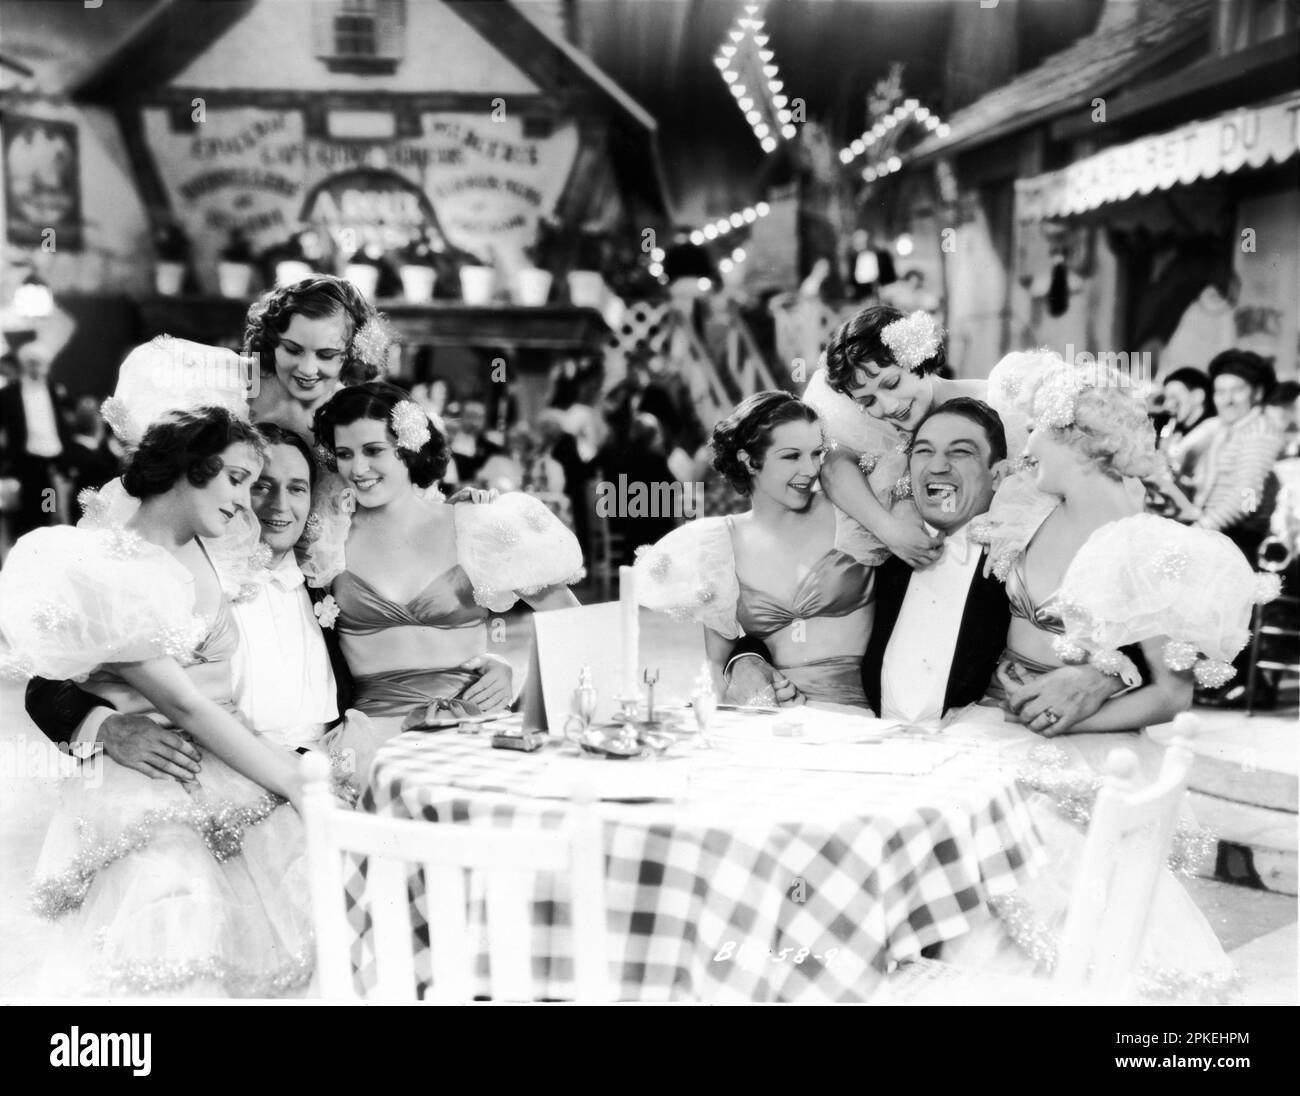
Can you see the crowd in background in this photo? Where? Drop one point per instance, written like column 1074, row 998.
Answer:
column 1229, row 432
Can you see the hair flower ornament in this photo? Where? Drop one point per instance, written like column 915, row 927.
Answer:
column 913, row 340
column 411, row 425
column 371, row 343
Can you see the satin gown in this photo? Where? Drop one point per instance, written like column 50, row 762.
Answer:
column 1182, row 959
column 837, row 585
column 387, row 698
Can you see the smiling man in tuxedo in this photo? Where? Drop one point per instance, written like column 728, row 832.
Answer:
column 940, row 630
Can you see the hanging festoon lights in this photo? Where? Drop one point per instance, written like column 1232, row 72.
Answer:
column 749, row 68
column 908, row 113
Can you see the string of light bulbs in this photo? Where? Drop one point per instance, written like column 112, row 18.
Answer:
column 733, row 59
column 909, row 111
column 715, row 230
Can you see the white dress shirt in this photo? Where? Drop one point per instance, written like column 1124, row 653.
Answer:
column 918, row 659
column 42, row 427
column 283, row 681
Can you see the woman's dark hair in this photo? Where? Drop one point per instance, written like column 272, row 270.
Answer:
column 1250, row 367
column 189, row 444
column 858, row 341
column 749, row 427
column 978, row 412
column 315, row 297
column 376, row 400
column 275, row 434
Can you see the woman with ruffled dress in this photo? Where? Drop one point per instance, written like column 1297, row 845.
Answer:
column 1088, row 573
column 194, row 889
column 733, row 574
column 413, row 580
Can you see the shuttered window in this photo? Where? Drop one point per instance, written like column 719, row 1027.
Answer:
column 360, row 35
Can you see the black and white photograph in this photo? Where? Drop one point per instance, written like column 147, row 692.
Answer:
column 661, row 502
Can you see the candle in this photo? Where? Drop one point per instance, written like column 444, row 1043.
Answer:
column 630, row 632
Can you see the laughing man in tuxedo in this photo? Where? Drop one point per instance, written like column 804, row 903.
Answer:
column 940, row 630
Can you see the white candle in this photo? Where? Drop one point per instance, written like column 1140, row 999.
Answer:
column 628, row 616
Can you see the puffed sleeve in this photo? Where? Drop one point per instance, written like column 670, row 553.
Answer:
column 1010, row 382
column 513, row 548
column 1146, row 576
column 72, row 600
column 691, row 575
column 846, row 424
column 321, row 555
column 1017, row 510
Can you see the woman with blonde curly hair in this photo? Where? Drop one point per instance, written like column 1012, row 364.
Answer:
column 311, row 338
column 1087, row 574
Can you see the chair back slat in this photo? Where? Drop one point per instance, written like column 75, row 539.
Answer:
column 390, row 911
column 509, row 926
column 505, row 862
column 587, row 901
column 325, row 880
column 449, row 944
column 1114, row 889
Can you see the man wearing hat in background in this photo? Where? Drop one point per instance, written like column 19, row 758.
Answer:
column 1234, row 452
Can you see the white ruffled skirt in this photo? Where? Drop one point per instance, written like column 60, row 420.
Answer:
column 160, row 890
column 1182, row 960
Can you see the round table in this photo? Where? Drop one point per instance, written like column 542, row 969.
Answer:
column 761, row 884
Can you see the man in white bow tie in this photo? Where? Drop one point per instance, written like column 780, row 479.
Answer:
column 941, row 629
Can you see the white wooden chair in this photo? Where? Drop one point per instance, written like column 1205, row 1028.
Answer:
column 1114, row 889
column 508, row 860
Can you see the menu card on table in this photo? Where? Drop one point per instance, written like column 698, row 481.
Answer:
column 621, row 780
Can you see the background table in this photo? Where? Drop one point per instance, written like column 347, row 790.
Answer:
column 850, row 872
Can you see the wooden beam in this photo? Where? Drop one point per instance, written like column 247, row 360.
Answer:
column 1211, row 86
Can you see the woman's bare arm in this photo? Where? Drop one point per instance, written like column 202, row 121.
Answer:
column 164, row 684
column 1168, row 693
column 847, row 488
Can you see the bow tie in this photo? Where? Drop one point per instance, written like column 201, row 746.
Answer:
column 286, row 577
column 956, row 546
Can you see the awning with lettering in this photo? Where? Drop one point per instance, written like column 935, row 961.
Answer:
column 1249, row 137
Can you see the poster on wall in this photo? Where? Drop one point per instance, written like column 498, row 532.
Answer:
column 483, row 185
column 42, row 183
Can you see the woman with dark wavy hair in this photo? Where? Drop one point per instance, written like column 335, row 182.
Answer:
column 162, row 887
column 879, row 378
column 414, row 580
column 734, row 574
column 311, row 338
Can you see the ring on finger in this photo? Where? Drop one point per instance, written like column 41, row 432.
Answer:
column 1051, row 717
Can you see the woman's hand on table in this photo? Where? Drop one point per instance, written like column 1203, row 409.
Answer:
column 494, row 688
column 754, row 682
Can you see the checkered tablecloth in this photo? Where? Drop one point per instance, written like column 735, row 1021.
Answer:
column 761, row 885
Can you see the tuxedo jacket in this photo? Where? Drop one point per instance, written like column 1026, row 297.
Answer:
column 981, row 638
column 58, row 707
column 13, row 422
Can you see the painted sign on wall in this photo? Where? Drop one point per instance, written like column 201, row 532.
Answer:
column 42, row 183
column 481, row 182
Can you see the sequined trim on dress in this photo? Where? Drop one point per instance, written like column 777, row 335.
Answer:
column 222, row 829
column 166, row 976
